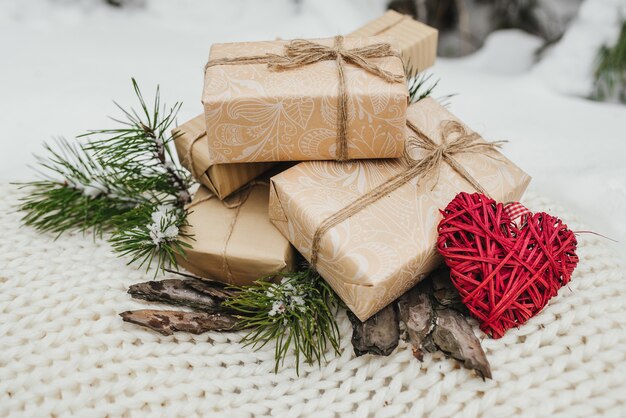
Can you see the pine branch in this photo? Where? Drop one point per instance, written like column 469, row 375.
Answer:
column 296, row 313
column 124, row 180
column 140, row 148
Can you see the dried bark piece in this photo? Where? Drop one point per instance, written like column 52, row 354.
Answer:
column 444, row 291
column 455, row 337
column 416, row 312
column 166, row 322
column 378, row 335
column 210, row 289
column 432, row 312
column 180, row 292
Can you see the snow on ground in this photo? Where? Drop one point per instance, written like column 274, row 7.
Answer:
column 505, row 52
column 63, row 62
column 568, row 67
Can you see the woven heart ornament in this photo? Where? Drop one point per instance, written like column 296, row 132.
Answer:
column 505, row 261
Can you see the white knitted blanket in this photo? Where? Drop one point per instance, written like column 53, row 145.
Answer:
column 65, row 351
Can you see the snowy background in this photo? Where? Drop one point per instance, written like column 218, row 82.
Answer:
column 64, row 61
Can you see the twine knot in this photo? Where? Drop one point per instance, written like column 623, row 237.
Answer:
column 454, row 139
column 301, row 52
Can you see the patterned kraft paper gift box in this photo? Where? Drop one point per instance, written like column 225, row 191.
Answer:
column 257, row 112
column 221, row 179
column 417, row 42
column 378, row 253
column 233, row 240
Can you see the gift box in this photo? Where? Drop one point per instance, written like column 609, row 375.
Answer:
column 416, row 41
column 284, row 100
column 221, row 179
column 377, row 253
column 234, row 241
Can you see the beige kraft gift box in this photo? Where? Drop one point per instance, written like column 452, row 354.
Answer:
column 221, row 179
column 416, row 41
column 380, row 252
column 236, row 245
column 254, row 113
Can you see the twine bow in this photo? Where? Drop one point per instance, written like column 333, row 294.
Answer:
column 455, row 139
column 301, row 52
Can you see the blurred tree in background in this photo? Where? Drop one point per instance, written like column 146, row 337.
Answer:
column 610, row 72
column 464, row 24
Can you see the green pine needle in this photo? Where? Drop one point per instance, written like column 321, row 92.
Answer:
column 422, row 85
column 74, row 192
column 150, row 233
column 296, row 312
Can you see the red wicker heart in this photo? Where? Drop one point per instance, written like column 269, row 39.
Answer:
column 505, row 273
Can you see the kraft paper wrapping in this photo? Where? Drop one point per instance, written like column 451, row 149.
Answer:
column 379, row 253
column 221, row 179
column 257, row 114
column 416, row 41
column 240, row 239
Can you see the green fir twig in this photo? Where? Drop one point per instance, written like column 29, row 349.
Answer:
column 124, row 180
column 296, row 312
column 138, row 151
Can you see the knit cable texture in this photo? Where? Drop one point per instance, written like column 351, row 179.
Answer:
column 64, row 351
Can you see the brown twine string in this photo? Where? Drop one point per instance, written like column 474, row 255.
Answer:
column 454, row 140
column 197, row 202
column 231, row 228
column 189, row 155
column 301, row 52
column 235, row 201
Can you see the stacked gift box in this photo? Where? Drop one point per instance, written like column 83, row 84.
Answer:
column 338, row 110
